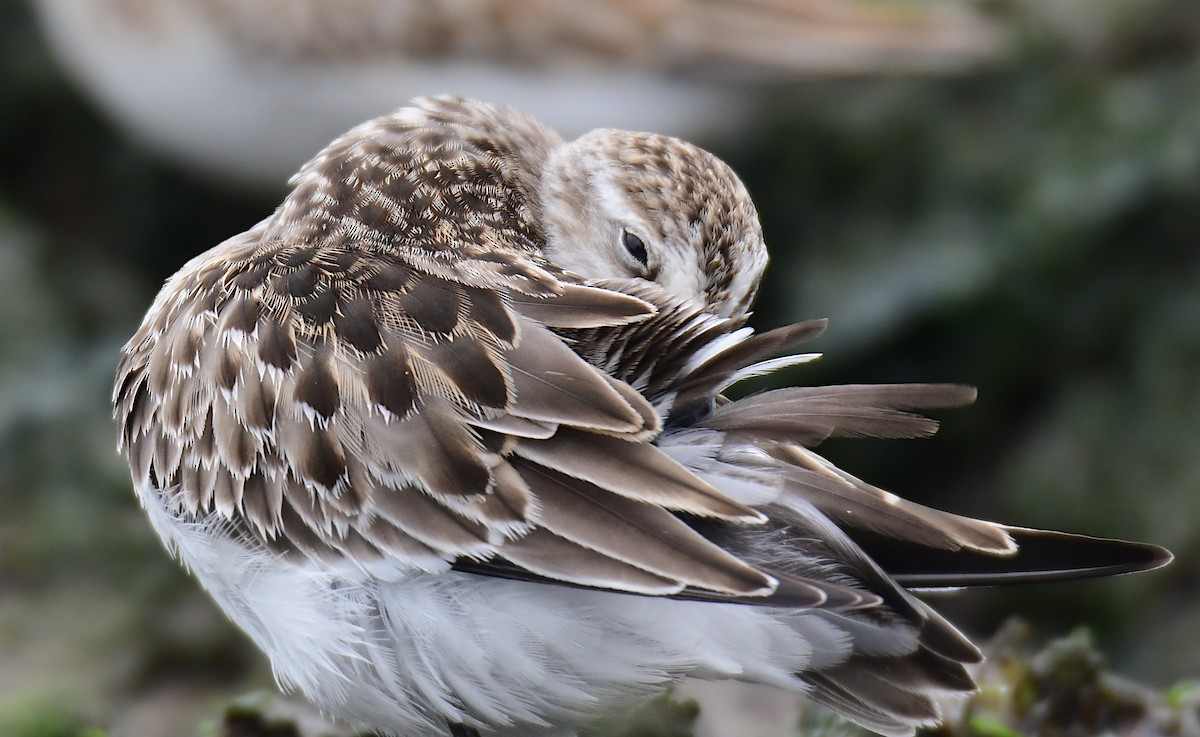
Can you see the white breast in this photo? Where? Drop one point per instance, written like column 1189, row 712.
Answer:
column 413, row 651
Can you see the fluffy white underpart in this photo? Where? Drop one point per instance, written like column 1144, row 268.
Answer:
column 413, row 650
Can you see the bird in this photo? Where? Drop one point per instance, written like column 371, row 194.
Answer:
column 196, row 81
column 447, row 435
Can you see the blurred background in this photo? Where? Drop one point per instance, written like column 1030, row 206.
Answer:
column 1003, row 193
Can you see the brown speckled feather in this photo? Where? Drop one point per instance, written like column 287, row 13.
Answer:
column 348, row 387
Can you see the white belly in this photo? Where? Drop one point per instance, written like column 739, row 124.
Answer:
column 414, row 651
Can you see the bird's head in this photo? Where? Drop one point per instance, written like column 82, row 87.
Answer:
column 622, row 204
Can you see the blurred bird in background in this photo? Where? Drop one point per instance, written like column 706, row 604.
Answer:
column 247, row 89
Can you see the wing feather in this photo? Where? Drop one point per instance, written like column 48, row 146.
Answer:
column 545, row 554
column 581, row 306
column 636, row 470
column 638, row 533
column 809, row 415
column 552, row 384
column 855, row 503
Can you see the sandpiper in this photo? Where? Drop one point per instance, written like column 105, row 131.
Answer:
column 445, row 435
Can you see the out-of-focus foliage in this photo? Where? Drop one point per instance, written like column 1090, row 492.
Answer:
column 44, row 719
column 662, row 717
column 1065, row 689
column 1031, row 229
column 268, row 715
column 1062, row 689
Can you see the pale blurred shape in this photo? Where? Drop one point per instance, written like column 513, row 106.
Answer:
column 741, row 709
column 247, row 90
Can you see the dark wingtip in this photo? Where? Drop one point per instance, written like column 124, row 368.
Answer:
column 1164, row 557
column 1041, row 555
column 1084, row 556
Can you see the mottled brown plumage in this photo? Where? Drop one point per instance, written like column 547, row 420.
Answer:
column 463, row 350
column 380, row 309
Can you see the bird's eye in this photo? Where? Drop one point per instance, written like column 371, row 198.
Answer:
column 635, row 246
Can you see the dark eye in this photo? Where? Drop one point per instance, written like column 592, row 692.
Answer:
column 635, row 246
